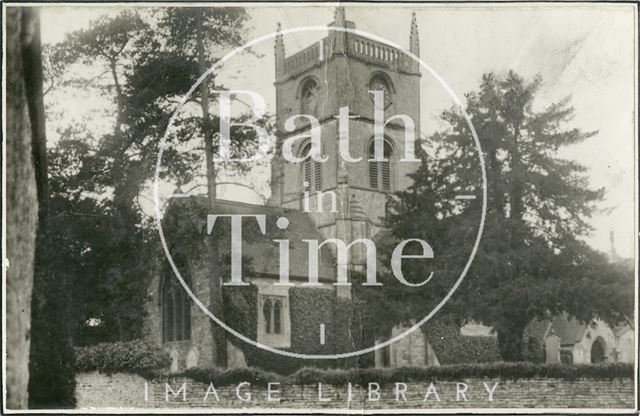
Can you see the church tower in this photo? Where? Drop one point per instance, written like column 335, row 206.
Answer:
column 340, row 71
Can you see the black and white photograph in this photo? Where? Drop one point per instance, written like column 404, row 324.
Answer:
column 313, row 207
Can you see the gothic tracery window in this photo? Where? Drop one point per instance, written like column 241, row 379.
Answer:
column 176, row 309
column 380, row 170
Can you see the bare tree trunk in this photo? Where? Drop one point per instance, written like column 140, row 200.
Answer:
column 216, row 303
column 33, row 75
column 21, row 204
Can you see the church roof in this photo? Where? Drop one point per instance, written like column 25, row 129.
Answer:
column 569, row 330
column 261, row 251
column 620, row 329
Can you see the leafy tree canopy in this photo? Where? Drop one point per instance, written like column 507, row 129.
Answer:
column 143, row 62
column 531, row 260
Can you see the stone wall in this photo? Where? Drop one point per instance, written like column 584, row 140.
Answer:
column 197, row 351
column 96, row 390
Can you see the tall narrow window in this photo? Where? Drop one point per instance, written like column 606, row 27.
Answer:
column 167, row 315
column 380, row 170
column 178, row 322
column 175, row 308
column 311, row 171
column 277, row 317
column 266, row 312
column 386, row 356
column 186, row 317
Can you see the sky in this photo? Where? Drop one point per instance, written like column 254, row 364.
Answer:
column 586, row 51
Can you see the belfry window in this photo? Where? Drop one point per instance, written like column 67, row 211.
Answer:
column 311, row 171
column 381, row 83
column 176, row 309
column 380, row 170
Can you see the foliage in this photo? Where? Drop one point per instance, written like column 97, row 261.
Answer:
column 533, row 342
column 99, row 175
column 96, row 226
column 531, row 261
column 125, row 357
column 452, row 348
column 508, row 371
column 51, row 359
column 96, row 248
column 240, row 303
column 308, row 308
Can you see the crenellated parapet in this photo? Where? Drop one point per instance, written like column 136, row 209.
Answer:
column 347, row 44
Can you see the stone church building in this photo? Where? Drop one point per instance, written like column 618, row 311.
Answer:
column 329, row 200
column 570, row 341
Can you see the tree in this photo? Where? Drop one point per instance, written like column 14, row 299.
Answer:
column 213, row 27
column 145, row 63
column 51, row 379
column 22, row 199
column 531, row 261
column 98, row 236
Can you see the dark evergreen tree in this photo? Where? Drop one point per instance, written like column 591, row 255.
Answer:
column 531, row 261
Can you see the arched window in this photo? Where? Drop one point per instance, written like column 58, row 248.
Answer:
column 380, row 170
column 277, row 317
column 309, row 95
column 175, row 307
column 274, row 323
column 381, row 82
column 266, row 311
column 311, row 170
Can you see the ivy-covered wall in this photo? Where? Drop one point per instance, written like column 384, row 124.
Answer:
column 309, row 308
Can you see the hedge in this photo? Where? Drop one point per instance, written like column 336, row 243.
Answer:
column 453, row 348
column 505, row 371
column 121, row 357
column 140, row 358
column 510, row 371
